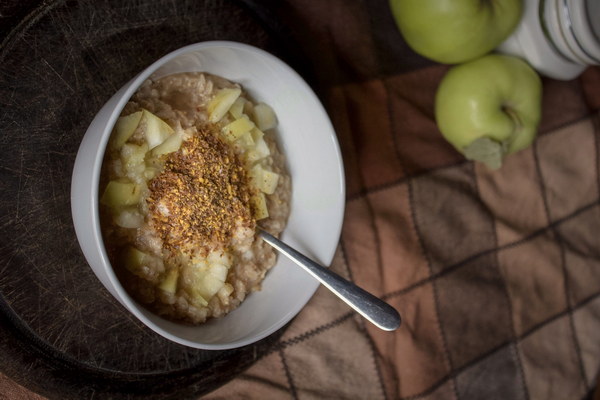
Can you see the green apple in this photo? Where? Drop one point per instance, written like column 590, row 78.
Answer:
column 489, row 107
column 455, row 31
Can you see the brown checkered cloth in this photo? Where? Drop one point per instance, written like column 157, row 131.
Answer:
column 496, row 274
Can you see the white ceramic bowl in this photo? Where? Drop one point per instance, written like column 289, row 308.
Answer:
column 308, row 140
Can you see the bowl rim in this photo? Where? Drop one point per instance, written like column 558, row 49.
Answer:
column 121, row 294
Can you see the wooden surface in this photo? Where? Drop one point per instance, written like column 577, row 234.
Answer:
column 62, row 334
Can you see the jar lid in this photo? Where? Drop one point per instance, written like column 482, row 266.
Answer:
column 593, row 12
column 581, row 27
column 531, row 42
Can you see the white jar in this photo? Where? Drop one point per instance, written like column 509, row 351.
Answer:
column 559, row 38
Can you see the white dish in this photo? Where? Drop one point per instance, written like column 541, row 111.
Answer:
column 309, row 143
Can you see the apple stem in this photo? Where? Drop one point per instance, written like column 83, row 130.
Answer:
column 518, row 124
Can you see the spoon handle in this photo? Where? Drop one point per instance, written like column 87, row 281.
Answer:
column 372, row 308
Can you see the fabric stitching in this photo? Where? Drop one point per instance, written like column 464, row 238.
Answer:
column 363, row 330
column 367, row 200
column 515, row 353
column 434, row 288
column 553, row 318
column 301, row 338
column 313, row 332
column 379, row 261
column 421, row 242
column 454, row 373
column 398, row 182
column 264, row 381
column 563, row 265
column 288, row 375
column 519, row 339
column 486, row 252
column 345, row 258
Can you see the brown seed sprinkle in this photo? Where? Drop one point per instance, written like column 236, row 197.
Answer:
column 201, row 197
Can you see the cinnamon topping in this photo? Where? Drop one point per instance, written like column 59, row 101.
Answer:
column 201, row 197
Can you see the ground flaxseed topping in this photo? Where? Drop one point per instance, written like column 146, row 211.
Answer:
column 201, row 197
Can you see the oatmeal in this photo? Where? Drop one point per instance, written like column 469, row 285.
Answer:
column 190, row 168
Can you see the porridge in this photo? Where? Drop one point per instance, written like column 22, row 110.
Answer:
column 191, row 166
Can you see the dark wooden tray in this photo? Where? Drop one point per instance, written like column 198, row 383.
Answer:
column 62, row 334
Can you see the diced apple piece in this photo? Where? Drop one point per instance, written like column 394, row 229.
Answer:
column 154, row 162
column 237, row 128
column 269, row 182
column 210, row 286
column 221, row 103
column 169, row 284
column 219, row 271
column 237, row 108
column 225, row 292
column 264, row 117
column 129, row 218
column 214, row 280
column 198, row 299
column 119, row 194
column 206, row 279
column 259, row 206
column 262, row 148
column 133, row 154
column 172, row 144
column 132, row 158
column 220, row 257
column 124, row 128
column 157, row 130
column 136, row 260
column 245, row 141
column 264, row 180
column 150, row 172
column 257, row 134
column 260, row 151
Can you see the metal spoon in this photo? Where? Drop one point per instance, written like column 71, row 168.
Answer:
column 372, row 308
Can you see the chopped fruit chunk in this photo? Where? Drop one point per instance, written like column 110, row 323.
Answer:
column 119, row 194
column 264, row 117
column 197, row 299
column 259, row 206
column 245, row 141
column 169, row 284
column 224, row 293
column 220, row 257
column 260, row 150
column 206, row 279
column 132, row 159
column 221, row 103
column 124, row 128
column 264, row 180
column 237, row 128
column 172, row 144
column 257, row 134
column 237, row 109
column 135, row 261
column 129, row 218
column 150, row 172
column 157, row 130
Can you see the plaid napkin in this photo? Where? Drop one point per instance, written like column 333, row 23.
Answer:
column 496, row 273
